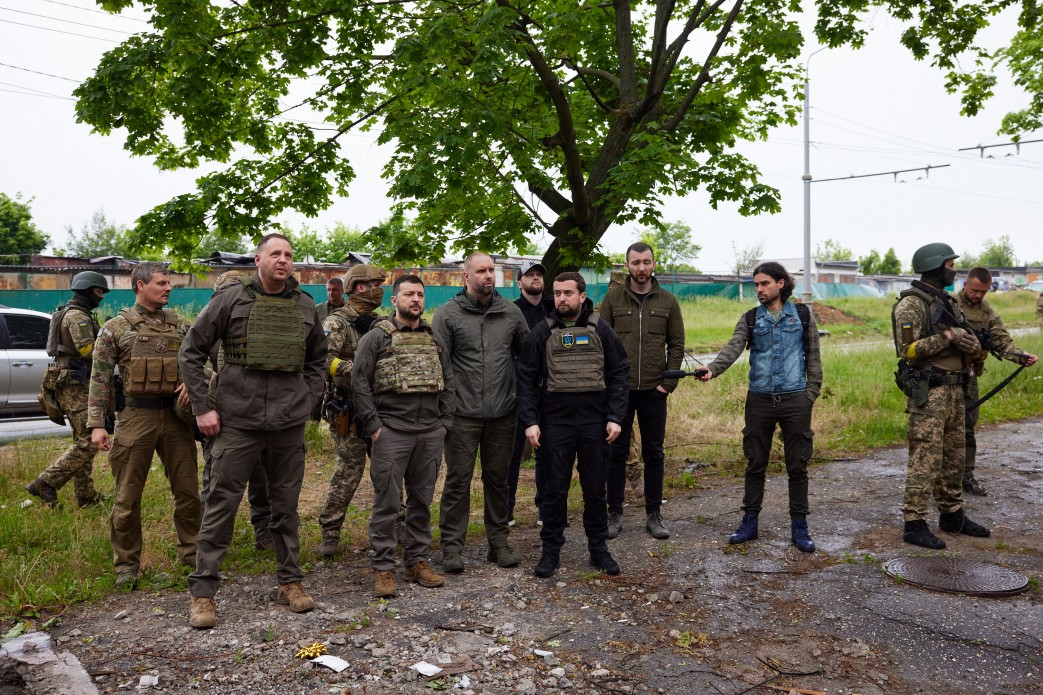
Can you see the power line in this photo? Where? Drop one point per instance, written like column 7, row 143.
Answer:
column 66, row 21
column 89, row 9
column 57, row 31
column 30, row 94
column 29, row 89
column 981, row 148
column 974, row 193
column 894, row 173
column 37, row 72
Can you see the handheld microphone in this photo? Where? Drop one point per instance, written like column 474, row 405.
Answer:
column 680, row 373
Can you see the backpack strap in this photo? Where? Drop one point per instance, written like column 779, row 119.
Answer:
column 803, row 313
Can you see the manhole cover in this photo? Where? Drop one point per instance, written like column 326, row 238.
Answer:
column 956, row 575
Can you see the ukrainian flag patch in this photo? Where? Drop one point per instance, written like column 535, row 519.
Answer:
column 582, row 340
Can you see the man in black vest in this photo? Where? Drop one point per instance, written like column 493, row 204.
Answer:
column 572, row 395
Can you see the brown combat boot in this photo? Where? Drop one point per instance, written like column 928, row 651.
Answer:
column 294, row 596
column 330, row 547
column 384, row 584
column 422, row 574
column 43, row 490
column 202, row 612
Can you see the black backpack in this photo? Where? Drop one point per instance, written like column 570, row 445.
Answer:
column 803, row 313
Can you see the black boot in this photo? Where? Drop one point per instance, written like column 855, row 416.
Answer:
column 957, row 522
column 547, row 564
column 917, row 533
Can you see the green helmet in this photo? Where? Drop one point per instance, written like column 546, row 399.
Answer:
column 932, row 256
column 362, row 273
column 88, row 279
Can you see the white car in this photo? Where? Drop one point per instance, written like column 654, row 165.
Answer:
column 23, row 359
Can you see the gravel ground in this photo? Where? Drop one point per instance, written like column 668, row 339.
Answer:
column 688, row 615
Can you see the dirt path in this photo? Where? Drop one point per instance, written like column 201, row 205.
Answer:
column 686, row 615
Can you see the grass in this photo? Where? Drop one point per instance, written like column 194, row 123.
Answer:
column 51, row 558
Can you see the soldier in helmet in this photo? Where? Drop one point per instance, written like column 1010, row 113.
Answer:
column 74, row 329
column 344, row 327
column 271, row 382
column 935, row 346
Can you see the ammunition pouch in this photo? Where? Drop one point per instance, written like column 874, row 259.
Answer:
column 337, row 410
column 48, row 396
column 946, row 379
column 117, row 390
column 914, row 382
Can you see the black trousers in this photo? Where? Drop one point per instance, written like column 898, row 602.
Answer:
column 560, row 445
column 521, row 446
column 650, row 407
column 791, row 412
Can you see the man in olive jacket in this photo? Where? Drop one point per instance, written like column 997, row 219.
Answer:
column 483, row 334
column 648, row 320
column 272, row 380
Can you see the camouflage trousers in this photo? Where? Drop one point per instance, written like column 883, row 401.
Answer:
column 351, row 464
column 77, row 462
column 936, row 453
column 970, row 421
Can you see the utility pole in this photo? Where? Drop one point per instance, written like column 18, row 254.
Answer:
column 806, row 178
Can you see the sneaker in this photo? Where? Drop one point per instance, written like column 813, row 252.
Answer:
column 452, row 562
column 202, row 612
column 329, row 547
column 264, row 542
column 126, row 580
column 654, row 525
column 294, row 596
column 546, row 566
column 384, row 584
column 423, row 574
column 800, row 536
column 957, row 522
column 747, row 530
column 511, row 521
column 539, row 518
column 917, row 533
column 615, row 525
column 43, row 490
column 605, row 562
column 92, row 501
column 973, row 487
column 503, row 556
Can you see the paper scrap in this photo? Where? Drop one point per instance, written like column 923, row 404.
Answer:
column 542, row 652
column 147, row 682
column 426, row 669
column 334, row 662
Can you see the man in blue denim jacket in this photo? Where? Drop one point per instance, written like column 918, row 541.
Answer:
column 785, row 379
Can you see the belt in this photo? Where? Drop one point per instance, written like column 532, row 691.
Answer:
column 153, row 403
column 946, row 379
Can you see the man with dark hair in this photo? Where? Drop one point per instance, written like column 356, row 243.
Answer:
column 70, row 342
column 143, row 341
column 402, row 386
column 995, row 339
column 334, row 298
column 483, row 333
column 344, row 327
column 785, row 380
column 934, row 345
column 271, row 382
column 648, row 321
column 572, row 391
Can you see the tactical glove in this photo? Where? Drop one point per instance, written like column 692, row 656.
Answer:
column 965, row 340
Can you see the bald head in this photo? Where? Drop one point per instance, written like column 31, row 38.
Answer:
column 479, row 277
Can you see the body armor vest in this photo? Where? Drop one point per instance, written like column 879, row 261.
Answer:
column 938, row 319
column 60, row 344
column 410, row 364
column 346, row 315
column 153, row 355
column 275, row 338
column 575, row 358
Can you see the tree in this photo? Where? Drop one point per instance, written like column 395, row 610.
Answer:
column 889, row 264
column 505, row 118
column 672, row 243
column 870, row 264
column 830, row 250
column 99, row 236
column 213, row 242
column 998, row 253
column 19, row 237
column 746, row 260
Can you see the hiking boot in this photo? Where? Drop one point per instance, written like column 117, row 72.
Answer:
column 654, row 525
column 126, row 580
column 92, row 501
column 917, row 533
column 43, row 490
column 452, row 562
column 973, row 487
column 801, row 537
column 615, row 524
column 263, row 541
column 957, row 522
column 423, row 574
column 605, row 562
column 503, row 556
column 384, row 584
column 294, row 596
column 202, row 612
column 547, row 564
column 747, row 530
column 329, row 547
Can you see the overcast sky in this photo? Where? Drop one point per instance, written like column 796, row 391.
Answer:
column 875, row 110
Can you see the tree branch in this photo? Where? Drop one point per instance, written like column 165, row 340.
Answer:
column 590, row 89
column 625, row 49
column 551, row 198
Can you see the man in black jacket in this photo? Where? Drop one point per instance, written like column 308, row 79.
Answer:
column 572, row 394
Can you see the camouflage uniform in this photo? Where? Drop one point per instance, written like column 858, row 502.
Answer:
column 78, row 332
column 342, row 339
column 936, row 442
column 145, row 426
column 982, row 316
column 1039, row 307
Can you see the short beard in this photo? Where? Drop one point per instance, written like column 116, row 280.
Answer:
column 572, row 316
column 532, row 291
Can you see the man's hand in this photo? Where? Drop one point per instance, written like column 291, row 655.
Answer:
column 660, row 389
column 209, row 423
column 1028, row 360
column 376, row 435
column 182, row 396
column 532, row 433
column 100, row 438
column 705, row 376
column 612, row 429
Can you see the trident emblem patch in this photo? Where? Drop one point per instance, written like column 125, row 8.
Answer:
column 568, row 340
